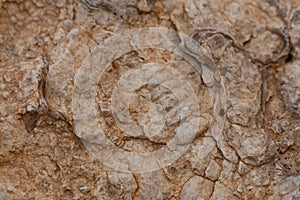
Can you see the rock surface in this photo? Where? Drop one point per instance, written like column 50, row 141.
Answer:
column 242, row 68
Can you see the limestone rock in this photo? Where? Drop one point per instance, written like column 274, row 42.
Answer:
column 290, row 87
column 222, row 192
column 184, row 99
column 197, row 188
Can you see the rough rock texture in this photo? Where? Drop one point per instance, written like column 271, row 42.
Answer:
column 250, row 149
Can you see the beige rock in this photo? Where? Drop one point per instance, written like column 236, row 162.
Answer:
column 290, row 87
column 222, row 192
column 213, row 170
column 197, row 188
column 242, row 69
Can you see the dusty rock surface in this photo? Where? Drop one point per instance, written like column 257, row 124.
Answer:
column 244, row 78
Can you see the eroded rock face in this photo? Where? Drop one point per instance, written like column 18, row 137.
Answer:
column 228, row 109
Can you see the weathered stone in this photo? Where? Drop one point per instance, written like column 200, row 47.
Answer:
column 290, row 87
column 240, row 66
column 259, row 176
column 115, row 185
column 213, row 170
column 222, row 192
column 250, row 145
column 197, row 188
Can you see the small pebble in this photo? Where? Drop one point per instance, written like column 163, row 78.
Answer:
column 5, row 94
column 144, row 6
column 29, row 108
column 2, row 86
column 67, row 25
column 222, row 112
column 7, row 78
column 3, row 112
column 84, row 189
column 30, row 55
